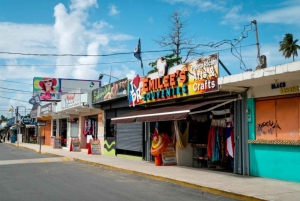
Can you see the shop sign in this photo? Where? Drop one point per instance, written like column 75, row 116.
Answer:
column 27, row 120
column 111, row 91
column 46, row 109
column 278, row 85
column 75, row 145
column 71, row 99
column 11, row 121
column 94, row 148
column 287, row 90
column 192, row 78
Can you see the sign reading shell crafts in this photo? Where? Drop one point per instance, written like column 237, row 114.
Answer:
column 192, row 78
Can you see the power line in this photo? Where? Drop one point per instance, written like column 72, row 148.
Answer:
column 131, row 61
column 79, row 55
column 14, row 99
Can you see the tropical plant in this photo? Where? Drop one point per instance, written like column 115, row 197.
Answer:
column 289, row 46
column 171, row 59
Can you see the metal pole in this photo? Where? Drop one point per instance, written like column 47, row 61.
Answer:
column 17, row 112
column 109, row 75
column 257, row 42
column 40, row 139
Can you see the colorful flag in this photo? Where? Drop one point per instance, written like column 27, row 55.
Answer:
column 156, row 130
column 229, row 141
column 137, row 51
column 137, row 54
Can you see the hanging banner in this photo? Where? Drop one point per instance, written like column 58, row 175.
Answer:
column 193, row 78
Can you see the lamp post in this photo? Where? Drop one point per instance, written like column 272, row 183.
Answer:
column 18, row 128
column 102, row 74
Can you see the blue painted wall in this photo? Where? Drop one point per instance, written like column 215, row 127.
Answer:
column 271, row 161
column 275, row 161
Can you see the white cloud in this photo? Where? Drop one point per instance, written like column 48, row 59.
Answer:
column 113, row 10
column 82, row 4
column 202, row 5
column 25, row 38
column 285, row 15
column 102, row 24
column 131, row 74
column 233, row 16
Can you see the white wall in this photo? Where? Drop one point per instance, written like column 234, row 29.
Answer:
column 266, row 91
column 185, row 156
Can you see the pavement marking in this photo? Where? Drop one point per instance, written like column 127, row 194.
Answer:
column 36, row 160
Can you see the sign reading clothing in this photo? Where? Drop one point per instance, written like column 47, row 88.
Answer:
column 192, row 78
column 70, row 100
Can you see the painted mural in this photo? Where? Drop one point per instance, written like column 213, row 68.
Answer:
column 192, row 78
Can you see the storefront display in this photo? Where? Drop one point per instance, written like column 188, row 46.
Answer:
column 176, row 101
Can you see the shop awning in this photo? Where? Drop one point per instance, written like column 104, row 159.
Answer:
column 165, row 113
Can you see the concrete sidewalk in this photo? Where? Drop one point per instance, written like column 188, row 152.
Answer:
column 228, row 184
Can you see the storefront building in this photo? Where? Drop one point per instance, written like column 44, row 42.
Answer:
column 27, row 128
column 186, row 106
column 75, row 117
column 112, row 99
column 46, row 131
column 273, row 119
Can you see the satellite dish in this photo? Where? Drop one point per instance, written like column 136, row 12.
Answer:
column 100, row 77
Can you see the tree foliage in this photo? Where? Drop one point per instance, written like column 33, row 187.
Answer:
column 171, row 59
column 177, row 39
column 289, row 47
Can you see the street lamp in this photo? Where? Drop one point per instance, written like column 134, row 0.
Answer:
column 102, row 74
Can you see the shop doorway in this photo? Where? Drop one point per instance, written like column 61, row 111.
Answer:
column 63, row 124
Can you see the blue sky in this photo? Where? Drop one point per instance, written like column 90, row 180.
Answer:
column 105, row 27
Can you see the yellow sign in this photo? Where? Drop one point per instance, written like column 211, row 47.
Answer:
column 287, row 90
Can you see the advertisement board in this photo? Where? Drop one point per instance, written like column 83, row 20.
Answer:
column 193, row 78
column 111, row 91
column 71, row 99
column 51, row 89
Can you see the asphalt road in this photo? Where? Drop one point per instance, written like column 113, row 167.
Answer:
column 29, row 176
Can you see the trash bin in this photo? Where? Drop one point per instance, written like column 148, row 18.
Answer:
column 12, row 138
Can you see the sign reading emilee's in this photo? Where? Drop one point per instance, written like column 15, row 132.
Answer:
column 192, row 78
column 114, row 90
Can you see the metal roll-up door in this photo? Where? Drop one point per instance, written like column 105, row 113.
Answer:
column 74, row 129
column 130, row 136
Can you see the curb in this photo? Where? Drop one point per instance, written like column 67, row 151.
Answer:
column 160, row 178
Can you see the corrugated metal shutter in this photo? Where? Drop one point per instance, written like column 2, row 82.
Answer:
column 130, row 136
column 74, row 129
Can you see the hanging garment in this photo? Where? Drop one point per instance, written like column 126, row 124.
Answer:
column 211, row 141
column 229, row 141
column 181, row 138
column 216, row 150
column 222, row 143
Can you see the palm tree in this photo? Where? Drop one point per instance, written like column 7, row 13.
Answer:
column 288, row 46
